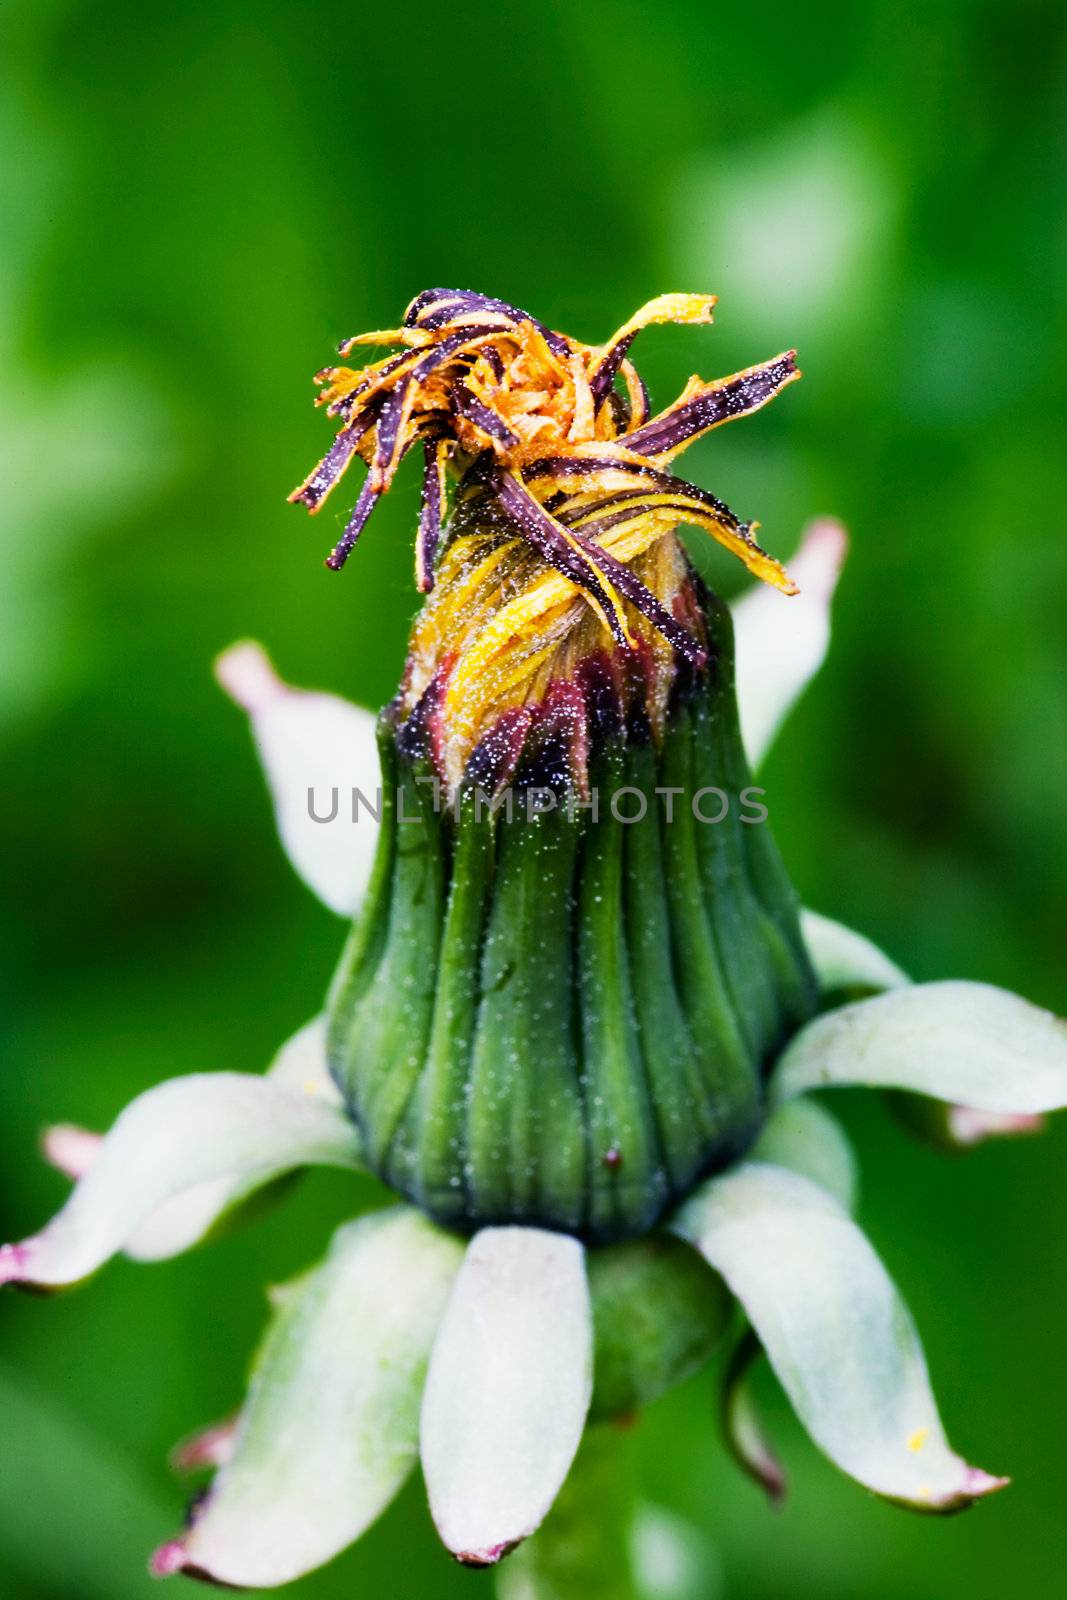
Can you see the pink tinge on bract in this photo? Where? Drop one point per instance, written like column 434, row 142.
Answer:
column 969, row 1127
column 975, row 1484
column 70, row 1149
column 14, row 1261
column 247, row 675
column 211, row 1447
column 817, row 565
column 981, row 1483
column 168, row 1559
column 488, row 1557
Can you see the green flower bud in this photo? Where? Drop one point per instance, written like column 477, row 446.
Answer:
column 659, row 1313
column 573, row 969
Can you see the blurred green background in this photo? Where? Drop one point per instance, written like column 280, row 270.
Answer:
column 199, row 201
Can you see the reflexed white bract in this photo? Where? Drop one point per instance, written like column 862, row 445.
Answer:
column 844, row 959
column 781, row 641
column 171, row 1140
column 316, row 749
column 508, row 1389
column 966, row 1043
column 835, row 1330
column 329, row 1430
column 803, row 1136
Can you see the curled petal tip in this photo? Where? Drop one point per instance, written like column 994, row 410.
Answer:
column 979, row 1483
column 245, row 673
column 764, row 1468
column 168, row 1559
column 69, row 1148
column 172, row 1558
column 968, row 1126
column 776, row 1485
column 818, row 562
column 14, row 1261
column 974, row 1485
column 488, row 1557
column 743, row 1427
column 211, row 1447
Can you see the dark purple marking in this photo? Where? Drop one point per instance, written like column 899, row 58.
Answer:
column 557, row 750
column 494, row 758
column 368, row 499
column 430, row 517
column 536, row 526
column 632, row 589
column 389, row 427
column 461, row 301
column 450, row 346
column 603, row 701
column 732, row 399
column 333, row 463
column 427, row 298
column 598, row 526
column 606, row 373
column 576, row 466
column 493, row 357
column 346, row 405
column 468, row 405
column 545, row 535
column 655, row 477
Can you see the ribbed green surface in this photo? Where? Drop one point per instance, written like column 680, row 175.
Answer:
column 565, row 1020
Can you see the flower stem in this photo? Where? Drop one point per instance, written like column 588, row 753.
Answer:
column 582, row 1552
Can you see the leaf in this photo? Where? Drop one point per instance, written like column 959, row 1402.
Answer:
column 329, row 1431
column 171, row 1140
column 837, row 1334
column 317, row 752
column 966, row 1043
column 508, row 1390
column 74, row 1509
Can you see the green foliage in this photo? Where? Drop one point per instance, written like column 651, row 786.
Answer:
column 200, row 201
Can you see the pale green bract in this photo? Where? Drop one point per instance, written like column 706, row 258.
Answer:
column 329, row 1431
column 168, row 1143
column 844, row 960
column 299, row 1065
column 966, row 1043
column 804, row 1137
column 315, row 745
column 508, row 1390
column 837, row 1333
